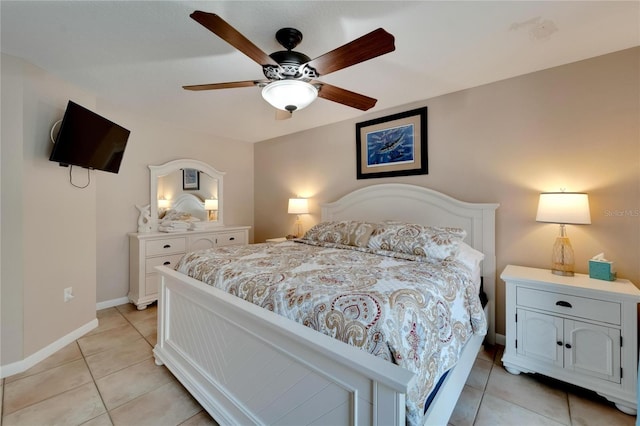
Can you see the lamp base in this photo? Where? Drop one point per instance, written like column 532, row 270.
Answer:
column 562, row 259
column 562, row 273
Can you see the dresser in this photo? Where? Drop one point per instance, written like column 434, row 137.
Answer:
column 148, row 250
column 576, row 329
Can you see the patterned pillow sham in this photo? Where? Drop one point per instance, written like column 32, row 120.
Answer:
column 346, row 232
column 387, row 253
column 430, row 241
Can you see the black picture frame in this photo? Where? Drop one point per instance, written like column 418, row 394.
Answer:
column 395, row 145
column 190, row 179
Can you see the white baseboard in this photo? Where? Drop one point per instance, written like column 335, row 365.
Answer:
column 501, row 339
column 111, row 303
column 31, row 360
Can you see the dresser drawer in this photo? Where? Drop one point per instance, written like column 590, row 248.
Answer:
column 166, row 246
column 231, row 238
column 168, row 261
column 583, row 307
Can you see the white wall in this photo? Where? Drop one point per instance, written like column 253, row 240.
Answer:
column 55, row 235
column 11, row 251
column 153, row 142
column 48, row 229
column 575, row 126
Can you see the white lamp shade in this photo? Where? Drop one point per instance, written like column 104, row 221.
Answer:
column 564, row 208
column 289, row 95
column 163, row 203
column 298, row 206
column 210, row 204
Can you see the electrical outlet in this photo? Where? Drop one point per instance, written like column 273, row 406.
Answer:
column 68, row 294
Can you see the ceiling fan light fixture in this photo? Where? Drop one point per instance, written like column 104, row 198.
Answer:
column 289, row 95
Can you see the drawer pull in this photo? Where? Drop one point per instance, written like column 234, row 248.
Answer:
column 559, row 343
column 167, row 263
column 568, row 346
column 563, row 303
column 232, row 238
column 167, row 246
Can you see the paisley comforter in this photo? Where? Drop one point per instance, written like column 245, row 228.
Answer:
column 418, row 315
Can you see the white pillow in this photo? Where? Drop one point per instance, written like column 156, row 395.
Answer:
column 471, row 258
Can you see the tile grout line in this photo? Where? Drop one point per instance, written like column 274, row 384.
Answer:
column 95, row 383
column 84, row 359
column 4, row 414
column 524, row 407
column 108, row 411
column 97, row 389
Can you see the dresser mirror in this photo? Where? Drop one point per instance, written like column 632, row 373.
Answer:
column 186, row 179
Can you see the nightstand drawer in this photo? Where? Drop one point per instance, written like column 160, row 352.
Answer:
column 166, row 246
column 583, row 307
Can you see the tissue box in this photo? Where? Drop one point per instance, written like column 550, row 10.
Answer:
column 601, row 270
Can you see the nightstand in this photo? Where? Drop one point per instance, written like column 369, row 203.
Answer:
column 576, row 329
column 276, row 240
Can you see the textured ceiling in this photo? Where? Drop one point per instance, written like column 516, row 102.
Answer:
column 137, row 55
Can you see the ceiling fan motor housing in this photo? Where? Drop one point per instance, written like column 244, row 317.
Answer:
column 291, row 63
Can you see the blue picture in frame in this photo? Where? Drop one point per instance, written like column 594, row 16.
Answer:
column 190, row 179
column 395, row 145
column 390, row 146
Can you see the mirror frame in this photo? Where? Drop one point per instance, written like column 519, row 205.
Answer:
column 173, row 166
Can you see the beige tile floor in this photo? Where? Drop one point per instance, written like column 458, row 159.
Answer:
column 108, row 377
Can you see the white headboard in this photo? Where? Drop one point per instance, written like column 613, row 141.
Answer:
column 190, row 203
column 415, row 204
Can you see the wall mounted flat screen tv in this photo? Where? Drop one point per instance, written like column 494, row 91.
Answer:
column 86, row 139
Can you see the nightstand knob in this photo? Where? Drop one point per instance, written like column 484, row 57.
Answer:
column 559, row 343
column 563, row 303
column 568, row 346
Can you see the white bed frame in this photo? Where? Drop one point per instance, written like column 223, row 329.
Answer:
column 246, row 365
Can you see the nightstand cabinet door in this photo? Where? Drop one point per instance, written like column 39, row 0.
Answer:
column 540, row 337
column 594, row 350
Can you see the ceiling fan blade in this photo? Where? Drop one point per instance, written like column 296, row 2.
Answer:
column 362, row 49
column 229, row 85
column 343, row 96
column 222, row 29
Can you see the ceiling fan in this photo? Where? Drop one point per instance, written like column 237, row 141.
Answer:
column 291, row 83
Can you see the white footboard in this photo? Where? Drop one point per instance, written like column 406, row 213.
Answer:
column 247, row 365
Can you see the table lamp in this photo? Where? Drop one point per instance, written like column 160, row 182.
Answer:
column 563, row 208
column 211, row 206
column 298, row 206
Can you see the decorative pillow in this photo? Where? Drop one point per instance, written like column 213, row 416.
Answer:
column 348, row 232
column 428, row 241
